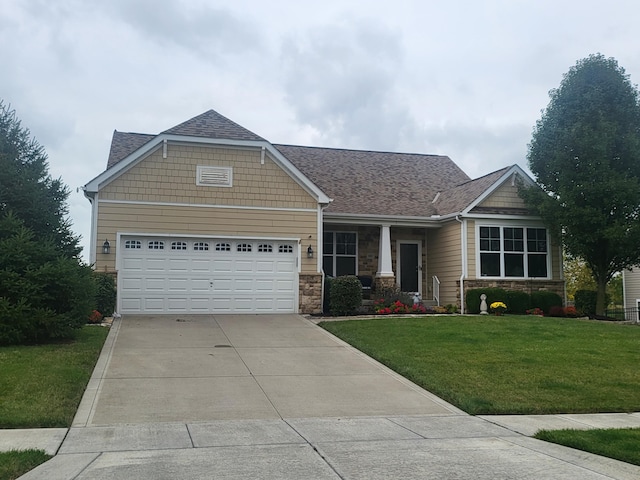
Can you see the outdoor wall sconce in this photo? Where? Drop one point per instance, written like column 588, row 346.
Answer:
column 106, row 247
column 309, row 252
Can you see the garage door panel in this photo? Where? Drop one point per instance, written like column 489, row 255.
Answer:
column 243, row 266
column 222, row 266
column 252, row 278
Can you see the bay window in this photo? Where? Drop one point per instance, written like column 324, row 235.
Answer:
column 513, row 252
column 339, row 253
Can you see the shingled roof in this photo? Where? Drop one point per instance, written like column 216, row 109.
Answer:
column 360, row 182
column 456, row 199
column 211, row 124
column 376, row 183
column 123, row 144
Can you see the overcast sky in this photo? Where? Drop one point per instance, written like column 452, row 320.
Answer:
column 467, row 79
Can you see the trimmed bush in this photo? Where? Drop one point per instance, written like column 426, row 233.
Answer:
column 472, row 298
column 345, row 295
column 545, row 300
column 556, row 311
column 517, row 302
column 105, row 293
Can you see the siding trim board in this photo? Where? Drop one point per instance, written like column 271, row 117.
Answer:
column 203, row 205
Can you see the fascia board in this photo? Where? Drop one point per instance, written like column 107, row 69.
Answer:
column 514, row 170
column 151, row 146
column 364, row 219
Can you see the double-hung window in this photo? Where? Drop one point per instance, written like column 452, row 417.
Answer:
column 513, row 252
column 339, row 253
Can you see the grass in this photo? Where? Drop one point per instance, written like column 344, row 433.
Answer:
column 42, row 384
column 14, row 464
column 509, row 364
column 620, row 443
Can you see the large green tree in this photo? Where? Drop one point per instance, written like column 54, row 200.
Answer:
column 26, row 188
column 585, row 154
column 46, row 292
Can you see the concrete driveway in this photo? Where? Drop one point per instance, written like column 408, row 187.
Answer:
column 277, row 398
column 178, row 368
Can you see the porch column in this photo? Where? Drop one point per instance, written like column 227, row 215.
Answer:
column 384, row 253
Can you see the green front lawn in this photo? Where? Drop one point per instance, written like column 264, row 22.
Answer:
column 42, row 384
column 619, row 443
column 14, row 464
column 510, row 364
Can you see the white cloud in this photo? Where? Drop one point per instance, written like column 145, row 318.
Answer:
column 464, row 79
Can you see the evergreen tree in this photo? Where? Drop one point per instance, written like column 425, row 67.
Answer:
column 26, row 188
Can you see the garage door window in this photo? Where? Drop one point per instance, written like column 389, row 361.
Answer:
column 223, row 247
column 156, row 245
column 265, row 248
column 135, row 244
column 285, row 249
column 244, row 247
column 178, row 245
column 201, row 246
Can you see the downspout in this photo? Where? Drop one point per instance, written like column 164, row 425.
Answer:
column 463, row 243
column 320, row 251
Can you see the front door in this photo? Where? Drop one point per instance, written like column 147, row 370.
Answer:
column 409, row 266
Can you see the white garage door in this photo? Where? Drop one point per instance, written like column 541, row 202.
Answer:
column 167, row 275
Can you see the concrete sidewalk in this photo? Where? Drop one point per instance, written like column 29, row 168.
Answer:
column 276, row 397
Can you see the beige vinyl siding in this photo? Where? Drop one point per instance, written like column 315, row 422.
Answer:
column 173, row 179
column 443, row 259
column 471, row 249
column 506, row 195
column 116, row 218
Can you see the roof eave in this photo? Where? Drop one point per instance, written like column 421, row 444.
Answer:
column 372, row 219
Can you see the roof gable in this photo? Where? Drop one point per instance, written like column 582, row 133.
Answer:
column 458, row 198
column 211, row 124
column 467, row 197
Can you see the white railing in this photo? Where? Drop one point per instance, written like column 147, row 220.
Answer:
column 436, row 290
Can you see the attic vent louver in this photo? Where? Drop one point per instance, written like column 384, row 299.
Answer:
column 214, row 176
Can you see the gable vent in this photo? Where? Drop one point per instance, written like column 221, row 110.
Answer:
column 214, row 176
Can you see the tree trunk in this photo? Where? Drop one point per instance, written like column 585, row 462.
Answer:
column 601, row 298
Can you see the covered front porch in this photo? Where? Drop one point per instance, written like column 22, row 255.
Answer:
column 384, row 255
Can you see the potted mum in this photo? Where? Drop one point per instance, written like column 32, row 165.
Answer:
column 498, row 308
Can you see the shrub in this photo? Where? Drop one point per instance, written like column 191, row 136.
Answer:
column 388, row 296
column 545, row 300
column 556, row 311
column 451, row 308
column 472, row 297
column 105, row 293
column 44, row 295
column 585, row 301
column 570, row 312
column 345, row 295
column 326, row 300
column 535, row 311
column 517, row 302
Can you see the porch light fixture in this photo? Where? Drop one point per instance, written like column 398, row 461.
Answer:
column 309, row 252
column 106, row 247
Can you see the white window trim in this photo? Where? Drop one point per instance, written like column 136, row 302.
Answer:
column 225, row 173
column 503, row 225
column 334, row 255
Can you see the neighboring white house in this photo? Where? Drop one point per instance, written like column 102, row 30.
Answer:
column 631, row 293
